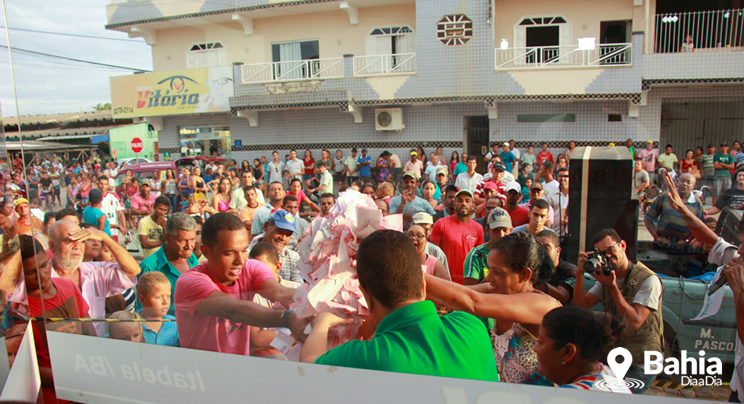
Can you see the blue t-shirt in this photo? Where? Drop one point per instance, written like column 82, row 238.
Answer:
column 364, row 171
column 91, row 215
column 168, row 334
column 508, row 158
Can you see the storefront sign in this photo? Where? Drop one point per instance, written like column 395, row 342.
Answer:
column 172, row 93
column 99, row 370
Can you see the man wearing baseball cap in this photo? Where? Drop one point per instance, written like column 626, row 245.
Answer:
column 278, row 231
column 497, row 170
column 518, row 214
column 425, row 220
column 414, row 164
column 507, row 156
column 458, row 234
column 407, row 202
column 144, row 200
column 27, row 224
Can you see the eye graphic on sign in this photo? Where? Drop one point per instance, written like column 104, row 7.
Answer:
column 177, row 83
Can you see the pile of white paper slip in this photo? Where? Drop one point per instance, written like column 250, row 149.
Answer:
column 328, row 262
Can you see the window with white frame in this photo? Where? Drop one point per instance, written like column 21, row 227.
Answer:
column 210, row 54
column 456, row 29
column 391, row 41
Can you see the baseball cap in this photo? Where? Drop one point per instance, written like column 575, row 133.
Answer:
column 711, row 145
column 498, row 166
column 410, row 174
column 95, row 195
column 537, row 185
column 505, row 144
column 513, row 186
column 283, row 220
column 464, row 191
column 490, row 185
column 145, row 182
column 724, row 143
column 20, row 201
column 650, row 141
column 364, row 149
column 413, row 153
column 499, row 217
column 353, row 149
column 422, row 218
column 441, row 170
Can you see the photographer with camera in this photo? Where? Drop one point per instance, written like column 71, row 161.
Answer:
column 631, row 290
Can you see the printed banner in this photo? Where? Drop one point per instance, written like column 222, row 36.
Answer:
column 100, row 370
column 172, row 93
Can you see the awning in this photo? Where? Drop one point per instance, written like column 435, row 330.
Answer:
column 32, row 146
column 99, row 139
column 86, row 136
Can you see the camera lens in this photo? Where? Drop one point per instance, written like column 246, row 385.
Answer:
column 592, row 265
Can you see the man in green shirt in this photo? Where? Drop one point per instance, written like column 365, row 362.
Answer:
column 723, row 163
column 410, row 336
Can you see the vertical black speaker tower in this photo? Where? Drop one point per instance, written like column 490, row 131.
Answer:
column 601, row 196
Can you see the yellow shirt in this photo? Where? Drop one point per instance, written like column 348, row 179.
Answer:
column 153, row 231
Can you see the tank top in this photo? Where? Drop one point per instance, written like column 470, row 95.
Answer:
column 431, row 261
column 222, row 206
column 185, row 182
column 170, row 187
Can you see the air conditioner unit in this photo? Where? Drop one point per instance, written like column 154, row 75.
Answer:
column 389, row 119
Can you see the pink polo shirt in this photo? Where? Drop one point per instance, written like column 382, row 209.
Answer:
column 209, row 333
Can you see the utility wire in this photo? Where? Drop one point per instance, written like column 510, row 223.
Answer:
column 76, row 35
column 75, row 60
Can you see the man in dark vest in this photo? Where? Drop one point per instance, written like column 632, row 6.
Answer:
column 631, row 290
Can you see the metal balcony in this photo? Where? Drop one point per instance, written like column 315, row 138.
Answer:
column 295, row 70
column 708, row 31
column 564, row 57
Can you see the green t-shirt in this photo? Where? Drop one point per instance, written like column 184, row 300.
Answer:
column 725, row 159
column 476, row 267
column 415, row 339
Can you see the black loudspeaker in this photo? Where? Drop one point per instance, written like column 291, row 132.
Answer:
column 601, row 196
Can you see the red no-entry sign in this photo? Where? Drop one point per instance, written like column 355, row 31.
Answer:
column 136, row 145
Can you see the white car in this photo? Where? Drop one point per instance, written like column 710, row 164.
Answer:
column 132, row 160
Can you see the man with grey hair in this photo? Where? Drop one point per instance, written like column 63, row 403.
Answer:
column 664, row 223
column 96, row 280
column 176, row 255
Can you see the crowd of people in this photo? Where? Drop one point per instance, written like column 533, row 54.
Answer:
column 217, row 264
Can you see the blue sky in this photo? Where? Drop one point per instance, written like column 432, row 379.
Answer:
column 47, row 86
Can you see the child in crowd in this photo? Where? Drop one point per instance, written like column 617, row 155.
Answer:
column 61, row 299
column 261, row 338
column 125, row 330
column 94, row 215
column 526, row 190
column 154, row 292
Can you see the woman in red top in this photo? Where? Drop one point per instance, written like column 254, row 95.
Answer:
column 689, row 165
column 309, row 163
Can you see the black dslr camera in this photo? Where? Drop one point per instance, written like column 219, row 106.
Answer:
column 598, row 262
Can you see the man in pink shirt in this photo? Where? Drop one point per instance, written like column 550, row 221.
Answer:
column 649, row 155
column 456, row 235
column 414, row 165
column 214, row 300
column 144, row 201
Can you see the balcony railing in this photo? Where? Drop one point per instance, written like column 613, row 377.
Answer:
column 571, row 56
column 295, row 70
column 384, row 65
column 707, row 31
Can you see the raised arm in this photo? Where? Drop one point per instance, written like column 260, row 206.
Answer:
column 127, row 263
column 523, row 308
column 705, row 236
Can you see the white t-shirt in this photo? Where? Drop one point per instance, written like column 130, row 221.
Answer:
column 111, row 205
column 295, row 166
column 516, row 153
column 551, row 186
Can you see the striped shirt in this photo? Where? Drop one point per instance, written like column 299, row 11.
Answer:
column 669, row 223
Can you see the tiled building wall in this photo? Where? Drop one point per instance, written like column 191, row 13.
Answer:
column 696, row 65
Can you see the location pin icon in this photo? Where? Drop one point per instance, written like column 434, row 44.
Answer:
column 620, row 369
